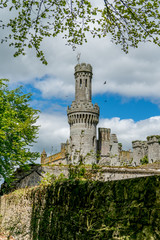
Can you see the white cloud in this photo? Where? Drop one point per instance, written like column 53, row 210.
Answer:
column 54, row 130
column 127, row 130
column 54, row 87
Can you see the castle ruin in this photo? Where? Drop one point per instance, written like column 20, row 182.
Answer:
column 83, row 144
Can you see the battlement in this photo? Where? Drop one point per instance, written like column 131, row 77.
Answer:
column 104, row 130
column 83, row 67
column 83, row 107
column 153, row 139
column 89, row 118
column 139, row 143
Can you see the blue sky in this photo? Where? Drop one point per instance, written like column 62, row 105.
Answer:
column 114, row 105
column 129, row 101
column 111, row 105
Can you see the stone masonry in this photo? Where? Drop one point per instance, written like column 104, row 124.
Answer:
column 149, row 149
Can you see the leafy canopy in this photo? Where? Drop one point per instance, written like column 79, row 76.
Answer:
column 126, row 22
column 17, row 130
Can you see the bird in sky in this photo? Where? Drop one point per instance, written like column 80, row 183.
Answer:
column 105, row 82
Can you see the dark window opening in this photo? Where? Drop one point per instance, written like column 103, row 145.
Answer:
column 93, row 142
column 80, row 82
column 86, row 83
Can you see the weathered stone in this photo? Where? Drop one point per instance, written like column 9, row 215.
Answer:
column 153, row 148
column 84, row 210
column 140, row 150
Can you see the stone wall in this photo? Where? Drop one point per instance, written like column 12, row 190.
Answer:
column 127, row 209
column 108, row 148
column 57, row 158
column 34, row 176
column 126, row 158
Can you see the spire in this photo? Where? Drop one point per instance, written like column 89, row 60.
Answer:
column 44, row 152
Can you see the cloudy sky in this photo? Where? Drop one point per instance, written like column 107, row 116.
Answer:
column 129, row 102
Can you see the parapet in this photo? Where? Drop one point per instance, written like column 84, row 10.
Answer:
column 83, row 107
column 83, row 67
column 153, row 139
column 138, row 143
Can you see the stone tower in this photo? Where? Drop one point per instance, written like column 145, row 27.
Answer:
column 43, row 156
column 153, row 148
column 83, row 118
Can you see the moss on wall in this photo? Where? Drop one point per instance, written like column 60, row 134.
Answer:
column 128, row 209
column 75, row 209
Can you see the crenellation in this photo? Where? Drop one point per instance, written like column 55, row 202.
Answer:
column 83, row 67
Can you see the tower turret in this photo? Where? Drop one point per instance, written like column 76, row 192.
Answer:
column 83, row 78
column 43, row 156
column 83, row 118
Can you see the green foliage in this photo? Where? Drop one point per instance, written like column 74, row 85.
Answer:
column 120, row 146
column 144, row 160
column 126, row 209
column 17, row 130
column 95, row 166
column 76, row 172
column 156, row 136
column 48, row 179
column 51, row 179
column 98, row 156
column 127, row 22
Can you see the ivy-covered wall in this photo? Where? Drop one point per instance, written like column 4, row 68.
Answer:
column 76, row 209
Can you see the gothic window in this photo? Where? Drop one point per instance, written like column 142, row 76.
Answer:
column 80, row 82
column 86, row 83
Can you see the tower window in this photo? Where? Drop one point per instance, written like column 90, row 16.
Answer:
column 86, row 83
column 93, row 142
column 80, row 82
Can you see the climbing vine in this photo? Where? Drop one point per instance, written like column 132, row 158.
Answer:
column 77, row 209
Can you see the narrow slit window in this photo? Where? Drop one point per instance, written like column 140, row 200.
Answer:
column 86, row 83
column 80, row 82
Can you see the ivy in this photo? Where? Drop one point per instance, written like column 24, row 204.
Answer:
column 75, row 209
column 144, row 160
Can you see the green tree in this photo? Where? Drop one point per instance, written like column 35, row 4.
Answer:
column 17, row 130
column 127, row 22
